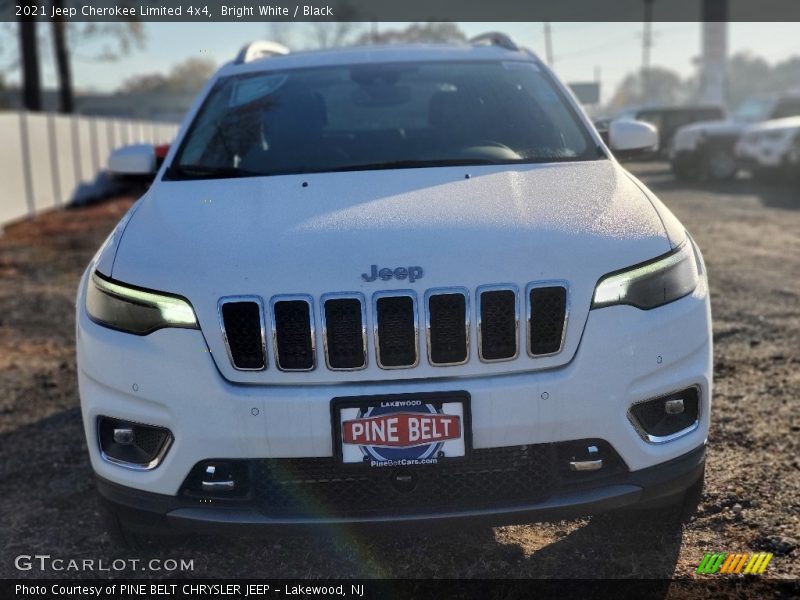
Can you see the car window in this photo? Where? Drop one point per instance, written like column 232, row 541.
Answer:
column 789, row 107
column 381, row 116
column 756, row 109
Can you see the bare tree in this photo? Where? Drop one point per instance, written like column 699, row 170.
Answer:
column 29, row 51
column 664, row 84
column 60, row 49
column 66, row 39
column 185, row 77
column 416, row 32
column 329, row 34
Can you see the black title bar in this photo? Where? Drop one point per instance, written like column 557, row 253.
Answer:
column 402, row 589
column 401, row 10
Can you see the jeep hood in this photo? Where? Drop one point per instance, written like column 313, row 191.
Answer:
column 317, row 233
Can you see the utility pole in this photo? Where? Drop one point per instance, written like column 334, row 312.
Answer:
column 647, row 44
column 31, row 82
column 548, row 44
column 713, row 65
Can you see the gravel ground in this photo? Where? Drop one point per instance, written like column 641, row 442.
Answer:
column 750, row 235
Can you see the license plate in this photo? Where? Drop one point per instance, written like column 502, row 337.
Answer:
column 403, row 430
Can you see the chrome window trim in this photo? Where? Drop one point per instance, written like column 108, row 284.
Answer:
column 529, row 313
column 663, row 439
column 479, row 291
column 443, row 291
column 261, row 321
column 135, row 466
column 323, row 323
column 390, row 294
column 309, row 300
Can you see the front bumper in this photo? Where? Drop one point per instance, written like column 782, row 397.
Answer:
column 656, row 486
column 626, row 355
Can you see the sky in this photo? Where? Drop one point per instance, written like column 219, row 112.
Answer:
column 582, row 51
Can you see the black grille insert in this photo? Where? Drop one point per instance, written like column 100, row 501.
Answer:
column 498, row 327
column 242, row 323
column 293, row 336
column 448, row 328
column 396, row 334
column 344, row 333
column 548, row 311
column 320, row 487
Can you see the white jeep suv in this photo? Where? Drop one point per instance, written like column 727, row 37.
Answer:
column 401, row 283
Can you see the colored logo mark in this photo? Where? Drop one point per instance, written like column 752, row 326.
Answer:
column 745, row 563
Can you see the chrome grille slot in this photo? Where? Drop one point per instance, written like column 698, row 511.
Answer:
column 498, row 323
column 448, row 326
column 344, row 331
column 547, row 317
column 242, row 322
column 396, row 329
column 293, row 333
column 394, row 318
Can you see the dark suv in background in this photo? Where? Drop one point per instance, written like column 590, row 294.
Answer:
column 707, row 149
column 669, row 119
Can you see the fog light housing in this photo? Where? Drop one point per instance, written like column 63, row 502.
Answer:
column 132, row 445
column 667, row 418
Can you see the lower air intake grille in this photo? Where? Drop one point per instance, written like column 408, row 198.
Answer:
column 488, row 478
column 344, row 333
column 396, row 331
column 448, row 328
column 498, row 325
column 294, row 347
column 242, row 322
column 548, row 310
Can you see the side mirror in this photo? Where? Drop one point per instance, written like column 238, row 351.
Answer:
column 627, row 135
column 137, row 159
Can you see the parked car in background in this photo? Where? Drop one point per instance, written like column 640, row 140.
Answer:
column 707, row 149
column 668, row 119
column 770, row 149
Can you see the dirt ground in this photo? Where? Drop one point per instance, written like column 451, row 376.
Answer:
column 750, row 235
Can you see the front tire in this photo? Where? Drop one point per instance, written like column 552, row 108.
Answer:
column 682, row 171
column 719, row 164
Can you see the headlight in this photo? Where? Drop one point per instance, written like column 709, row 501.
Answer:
column 135, row 310
column 651, row 284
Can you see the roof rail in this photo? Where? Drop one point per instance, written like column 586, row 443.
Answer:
column 261, row 49
column 494, row 38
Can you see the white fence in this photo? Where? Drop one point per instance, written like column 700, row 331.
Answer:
column 45, row 157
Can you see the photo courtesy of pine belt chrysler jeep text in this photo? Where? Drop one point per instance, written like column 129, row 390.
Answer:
column 392, row 284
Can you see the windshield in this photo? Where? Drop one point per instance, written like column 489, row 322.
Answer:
column 380, row 116
column 753, row 110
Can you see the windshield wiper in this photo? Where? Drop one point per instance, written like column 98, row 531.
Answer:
column 206, row 172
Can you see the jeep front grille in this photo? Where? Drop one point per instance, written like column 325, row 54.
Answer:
column 242, row 319
column 395, row 327
column 396, row 331
column 547, row 314
column 293, row 332
column 498, row 323
column 344, row 331
column 448, row 326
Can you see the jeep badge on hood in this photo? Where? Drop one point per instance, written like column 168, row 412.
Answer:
column 410, row 273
